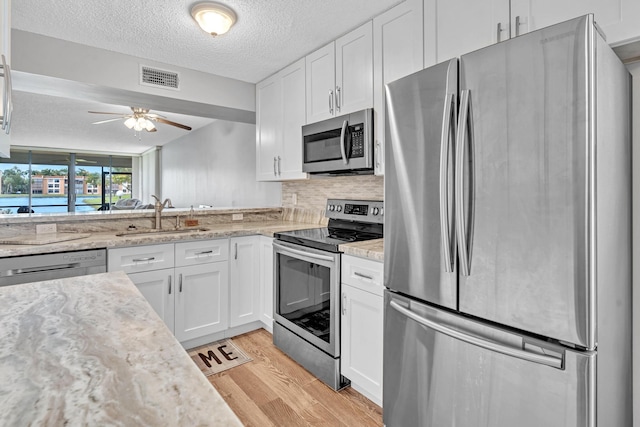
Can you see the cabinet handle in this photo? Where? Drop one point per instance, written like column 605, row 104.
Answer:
column 331, row 102
column 236, row 255
column 279, row 166
column 377, row 154
column 169, row 284
column 338, row 98
column 498, row 31
column 517, row 25
column 151, row 258
column 275, row 171
column 6, row 101
column 204, row 253
column 180, row 282
column 363, row 276
column 344, row 303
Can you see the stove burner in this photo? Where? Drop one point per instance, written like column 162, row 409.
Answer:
column 345, row 235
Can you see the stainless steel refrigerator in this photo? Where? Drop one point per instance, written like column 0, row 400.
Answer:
column 508, row 237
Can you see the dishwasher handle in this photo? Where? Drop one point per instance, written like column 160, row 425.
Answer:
column 42, row 269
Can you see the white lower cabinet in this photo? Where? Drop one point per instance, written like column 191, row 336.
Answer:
column 362, row 325
column 191, row 292
column 244, row 286
column 266, row 282
column 158, row 288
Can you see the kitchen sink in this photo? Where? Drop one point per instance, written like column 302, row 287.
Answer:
column 163, row 231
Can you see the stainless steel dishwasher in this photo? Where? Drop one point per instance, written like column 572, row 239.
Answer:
column 34, row 268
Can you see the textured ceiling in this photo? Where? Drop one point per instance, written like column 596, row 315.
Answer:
column 268, row 35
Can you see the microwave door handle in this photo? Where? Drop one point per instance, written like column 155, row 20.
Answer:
column 343, row 142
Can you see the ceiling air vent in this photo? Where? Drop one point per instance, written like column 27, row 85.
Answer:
column 159, row 78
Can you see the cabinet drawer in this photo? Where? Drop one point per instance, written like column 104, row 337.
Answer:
column 364, row 274
column 201, row 252
column 136, row 259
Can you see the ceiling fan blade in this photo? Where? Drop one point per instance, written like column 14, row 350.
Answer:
column 154, row 115
column 103, row 112
column 107, row 121
column 169, row 122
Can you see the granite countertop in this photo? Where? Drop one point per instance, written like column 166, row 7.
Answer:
column 372, row 249
column 110, row 239
column 90, row 350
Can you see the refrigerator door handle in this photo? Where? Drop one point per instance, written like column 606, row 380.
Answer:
column 543, row 359
column 343, row 142
column 461, row 232
column 444, row 180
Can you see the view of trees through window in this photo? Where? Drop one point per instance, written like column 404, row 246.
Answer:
column 39, row 182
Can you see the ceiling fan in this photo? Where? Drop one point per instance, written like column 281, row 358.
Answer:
column 140, row 119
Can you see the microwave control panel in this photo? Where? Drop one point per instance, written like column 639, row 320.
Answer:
column 357, row 141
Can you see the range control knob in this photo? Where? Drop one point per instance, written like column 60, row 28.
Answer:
column 376, row 211
column 381, row 211
column 339, row 208
column 331, row 208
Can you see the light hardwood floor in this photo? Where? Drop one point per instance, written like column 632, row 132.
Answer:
column 273, row 390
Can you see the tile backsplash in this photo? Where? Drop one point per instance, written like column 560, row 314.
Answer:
column 313, row 193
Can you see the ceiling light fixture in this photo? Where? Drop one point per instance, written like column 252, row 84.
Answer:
column 213, row 18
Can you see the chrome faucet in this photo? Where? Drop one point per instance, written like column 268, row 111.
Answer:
column 158, row 207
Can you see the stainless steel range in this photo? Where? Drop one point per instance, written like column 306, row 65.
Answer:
column 307, row 285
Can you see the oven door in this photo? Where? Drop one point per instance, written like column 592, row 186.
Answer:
column 306, row 282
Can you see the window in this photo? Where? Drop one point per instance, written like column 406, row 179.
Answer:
column 40, row 181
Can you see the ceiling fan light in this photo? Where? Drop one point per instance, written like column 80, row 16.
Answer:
column 213, row 18
column 149, row 126
column 130, row 122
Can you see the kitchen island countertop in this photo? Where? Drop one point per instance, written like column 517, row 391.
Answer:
column 90, row 350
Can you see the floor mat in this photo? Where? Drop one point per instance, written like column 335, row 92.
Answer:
column 218, row 356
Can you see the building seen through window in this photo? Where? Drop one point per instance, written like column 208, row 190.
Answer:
column 34, row 181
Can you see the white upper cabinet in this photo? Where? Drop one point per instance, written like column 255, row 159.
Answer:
column 618, row 19
column 5, row 49
column 397, row 52
column 340, row 76
column 280, row 114
column 456, row 27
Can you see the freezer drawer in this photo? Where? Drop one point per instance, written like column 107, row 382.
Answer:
column 479, row 377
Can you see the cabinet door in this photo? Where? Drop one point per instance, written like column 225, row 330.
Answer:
column 455, row 27
column 266, row 281
column 244, row 284
column 159, row 289
column 354, row 70
column 618, row 19
column 268, row 128
column 320, row 79
column 293, row 117
column 361, row 346
column 201, row 293
column 397, row 52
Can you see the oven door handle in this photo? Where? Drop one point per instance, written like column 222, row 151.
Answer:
column 292, row 251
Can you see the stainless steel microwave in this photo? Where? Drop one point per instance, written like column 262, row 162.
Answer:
column 339, row 146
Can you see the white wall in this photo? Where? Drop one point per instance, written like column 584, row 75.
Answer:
column 635, row 72
column 216, row 165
